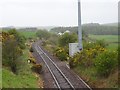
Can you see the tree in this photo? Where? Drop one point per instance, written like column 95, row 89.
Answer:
column 11, row 51
column 19, row 38
column 67, row 38
column 43, row 34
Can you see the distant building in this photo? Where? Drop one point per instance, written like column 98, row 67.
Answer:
column 60, row 33
column 67, row 31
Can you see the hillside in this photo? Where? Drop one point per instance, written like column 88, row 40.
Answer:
column 91, row 28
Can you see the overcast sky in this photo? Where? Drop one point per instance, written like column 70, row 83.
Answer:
column 56, row 12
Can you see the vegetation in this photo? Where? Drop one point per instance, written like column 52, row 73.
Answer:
column 25, row 77
column 111, row 40
column 17, row 71
column 43, row 34
column 92, row 28
column 106, row 62
column 28, row 34
column 65, row 39
column 96, row 62
column 12, row 45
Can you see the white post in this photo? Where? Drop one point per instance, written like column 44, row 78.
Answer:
column 79, row 27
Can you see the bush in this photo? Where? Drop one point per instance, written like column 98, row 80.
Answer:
column 32, row 60
column 61, row 53
column 102, row 43
column 106, row 62
column 67, row 38
column 43, row 34
column 37, row 68
column 86, row 57
column 31, row 49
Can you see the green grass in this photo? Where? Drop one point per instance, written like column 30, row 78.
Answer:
column 24, row 79
column 28, row 34
column 107, row 38
column 0, row 78
column 112, row 40
column 90, row 77
column 11, row 80
column 112, row 46
column 0, row 65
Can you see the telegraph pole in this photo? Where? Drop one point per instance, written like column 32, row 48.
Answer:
column 79, row 27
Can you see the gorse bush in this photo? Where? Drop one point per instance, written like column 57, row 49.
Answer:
column 106, row 62
column 61, row 53
column 86, row 56
column 31, row 49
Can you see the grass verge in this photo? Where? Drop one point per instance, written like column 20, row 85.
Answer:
column 90, row 77
column 25, row 78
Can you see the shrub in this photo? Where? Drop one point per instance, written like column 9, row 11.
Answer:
column 67, row 38
column 37, row 68
column 86, row 57
column 61, row 53
column 106, row 62
column 31, row 49
column 102, row 43
column 32, row 60
column 43, row 34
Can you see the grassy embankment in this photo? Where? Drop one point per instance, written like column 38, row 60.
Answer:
column 25, row 78
column 0, row 66
column 89, row 74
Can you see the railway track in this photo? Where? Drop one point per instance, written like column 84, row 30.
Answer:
column 60, row 79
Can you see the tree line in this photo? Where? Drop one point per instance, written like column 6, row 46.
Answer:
column 95, row 29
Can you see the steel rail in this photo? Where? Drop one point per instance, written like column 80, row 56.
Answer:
column 57, row 69
column 49, row 69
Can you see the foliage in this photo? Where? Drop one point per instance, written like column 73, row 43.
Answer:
column 95, row 29
column 11, row 49
column 43, row 34
column 53, row 40
column 97, row 43
column 32, row 60
column 86, row 56
column 106, row 62
column 31, row 49
column 61, row 53
column 102, row 43
column 67, row 38
column 19, row 38
column 37, row 68
column 28, row 34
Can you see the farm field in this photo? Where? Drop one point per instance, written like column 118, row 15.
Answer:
column 107, row 38
column 112, row 40
column 28, row 34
